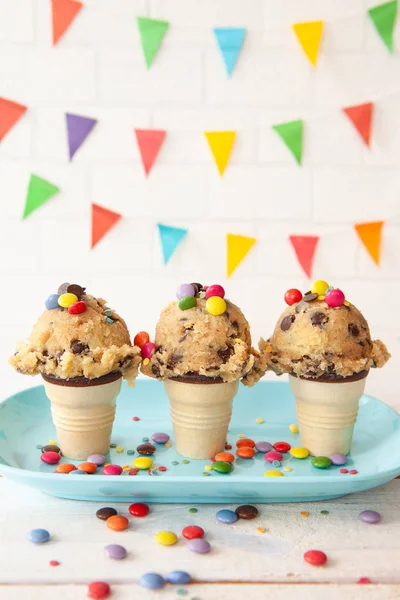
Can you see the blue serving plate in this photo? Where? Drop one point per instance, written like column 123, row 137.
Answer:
column 25, row 422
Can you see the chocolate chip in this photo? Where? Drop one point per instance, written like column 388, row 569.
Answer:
column 198, row 287
column 63, row 288
column 361, row 343
column 183, row 338
column 331, row 368
column 78, row 347
column 76, row 289
column 183, row 319
column 235, row 324
column 190, row 328
column 173, row 360
column 155, row 370
column 126, row 362
column 45, row 353
column 306, row 357
column 58, row 356
column 225, row 353
column 287, row 322
column 301, row 307
column 319, row 318
column 309, row 297
column 353, row 330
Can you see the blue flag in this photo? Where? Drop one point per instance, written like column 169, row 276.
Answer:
column 230, row 41
column 170, row 238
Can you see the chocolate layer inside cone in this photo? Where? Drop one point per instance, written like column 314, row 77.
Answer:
column 83, row 381
column 197, row 379
column 334, row 378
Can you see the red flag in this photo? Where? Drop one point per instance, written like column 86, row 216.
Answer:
column 149, row 142
column 10, row 112
column 361, row 117
column 305, row 246
column 63, row 12
column 102, row 221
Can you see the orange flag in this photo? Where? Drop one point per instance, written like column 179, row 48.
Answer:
column 102, row 221
column 305, row 247
column 361, row 117
column 149, row 142
column 371, row 235
column 10, row 112
column 63, row 12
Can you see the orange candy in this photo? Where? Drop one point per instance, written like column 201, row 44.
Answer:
column 65, row 468
column 141, row 339
column 225, row 456
column 88, row 467
column 245, row 442
column 117, row 523
column 245, row 452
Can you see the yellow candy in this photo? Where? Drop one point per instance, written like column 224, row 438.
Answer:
column 346, row 303
column 273, row 474
column 216, row 305
column 299, row 452
column 260, row 530
column 146, row 361
column 293, row 428
column 119, row 449
column 142, row 463
column 166, row 538
column 287, row 469
column 241, row 435
column 319, row 287
column 321, row 298
column 52, row 443
column 207, row 467
column 259, row 420
column 65, row 300
column 168, row 445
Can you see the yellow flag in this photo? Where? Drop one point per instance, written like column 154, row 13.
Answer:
column 238, row 246
column 309, row 35
column 221, row 143
column 370, row 234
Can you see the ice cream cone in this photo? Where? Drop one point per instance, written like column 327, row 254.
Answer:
column 327, row 412
column 83, row 413
column 201, row 410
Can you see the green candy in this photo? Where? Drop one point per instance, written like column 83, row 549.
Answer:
column 321, row 462
column 222, row 467
column 187, row 302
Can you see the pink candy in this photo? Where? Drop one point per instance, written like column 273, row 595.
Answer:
column 51, row 458
column 334, row 298
column 148, row 349
column 273, row 455
column 215, row 290
column 112, row 470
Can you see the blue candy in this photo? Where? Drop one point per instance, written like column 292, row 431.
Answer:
column 226, row 516
column 78, row 472
column 152, row 581
column 179, row 577
column 52, row 302
column 39, row 536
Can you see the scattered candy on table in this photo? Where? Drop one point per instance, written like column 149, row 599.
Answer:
column 39, row 536
column 97, row 459
column 264, row 447
column 226, row 516
column 245, row 452
column 198, row 545
column 191, row 532
column 142, row 463
column 112, row 470
column 105, row 513
column 65, row 468
column 117, row 523
column 152, row 581
column 370, row 516
column 273, row 455
column 315, row 557
column 282, row 446
column 160, row 438
column 245, row 442
column 139, row 509
column 246, row 511
column 146, row 449
column 299, row 452
column 88, row 467
column 338, row 459
column 115, row 552
column 273, row 473
column 293, row 428
column 166, row 538
column 50, row 458
column 98, row 590
column 179, row 577
column 321, row 462
column 78, row 472
column 225, row 457
column 51, row 448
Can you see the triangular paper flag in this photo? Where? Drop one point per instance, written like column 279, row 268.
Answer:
column 10, row 112
column 170, row 238
column 292, row 135
column 152, row 33
column 309, row 35
column 361, row 117
column 39, row 191
column 384, row 18
column 221, row 143
column 238, row 246
column 78, row 128
column 149, row 142
column 370, row 234
column 103, row 220
column 230, row 41
column 305, row 246
column 63, row 13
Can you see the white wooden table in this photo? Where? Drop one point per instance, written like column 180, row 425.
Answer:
column 242, row 563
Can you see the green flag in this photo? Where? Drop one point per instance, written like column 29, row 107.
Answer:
column 152, row 33
column 39, row 191
column 292, row 135
column 384, row 18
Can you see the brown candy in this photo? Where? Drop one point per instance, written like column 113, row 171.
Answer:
column 63, row 288
column 76, row 289
column 246, row 511
column 146, row 449
column 105, row 513
column 51, row 448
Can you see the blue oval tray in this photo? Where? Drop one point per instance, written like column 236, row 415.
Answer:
column 25, row 422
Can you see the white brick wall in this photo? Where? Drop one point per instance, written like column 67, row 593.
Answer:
column 97, row 70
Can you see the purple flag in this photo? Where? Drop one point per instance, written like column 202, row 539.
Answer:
column 78, row 128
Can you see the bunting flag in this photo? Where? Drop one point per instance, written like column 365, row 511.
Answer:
column 371, row 235
column 63, row 13
column 103, row 220
column 361, row 117
column 171, row 238
column 152, row 33
column 384, row 19
column 39, row 191
column 221, row 144
column 305, row 247
column 10, row 113
column 230, row 41
column 78, row 128
column 149, row 142
column 292, row 134
column 309, row 35
column 238, row 247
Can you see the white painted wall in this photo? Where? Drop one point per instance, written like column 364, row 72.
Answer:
column 97, row 70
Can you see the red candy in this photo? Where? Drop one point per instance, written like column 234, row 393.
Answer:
column 271, row 456
column 215, row 290
column 343, row 471
column 334, row 298
column 353, row 472
column 315, row 557
column 139, row 509
column 112, row 470
column 192, row 532
column 141, row 339
column 364, row 580
column 98, row 590
column 54, row 563
column 292, row 296
column 282, row 446
column 51, row 458
column 133, row 472
column 77, row 308
column 148, row 349
column 162, row 468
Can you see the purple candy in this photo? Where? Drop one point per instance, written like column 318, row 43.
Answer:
column 97, row 459
column 185, row 289
column 264, row 447
column 370, row 516
column 338, row 459
column 199, row 545
column 115, row 551
column 160, row 438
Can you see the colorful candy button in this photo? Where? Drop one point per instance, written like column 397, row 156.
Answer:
column 97, row 459
column 141, row 339
column 273, row 473
column 245, row 452
column 78, row 472
column 191, row 532
column 225, row 456
column 142, row 463
column 51, row 448
column 50, row 458
column 299, row 452
column 65, row 468
column 179, row 577
column 112, row 470
column 282, row 446
column 39, row 536
column 187, row 302
column 315, row 557
column 222, row 467
column 293, row 428
column 216, row 306
column 139, row 509
column 77, row 308
column 245, row 442
column 292, row 296
column 321, row 462
column 65, row 300
column 88, row 467
column 160, row 437
column 166, row 538
column 148, row 349
column 334, row 298
column 199, row 546
column 215, row 290
column 117, row 523
column 105, row 513
column 152, row 581
column 370, row 516
column 273, row 455
column 246, row 511
column 264, row 447
column 226, row 516
column 146, row 449
column 319, row 287
column 115, row 551
column 52, row 302
column 185, row 290
column 338, row 459
column 98, row 590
